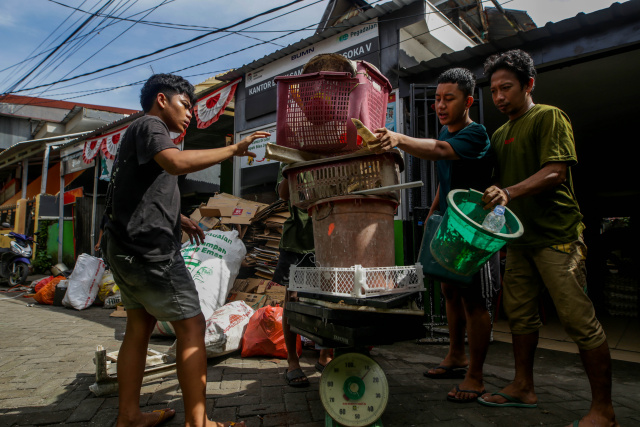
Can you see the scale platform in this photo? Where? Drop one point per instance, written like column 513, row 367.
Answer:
column 353, row 387
column 382, row 301
column 330, row 327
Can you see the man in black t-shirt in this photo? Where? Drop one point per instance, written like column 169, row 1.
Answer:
column 143, row 247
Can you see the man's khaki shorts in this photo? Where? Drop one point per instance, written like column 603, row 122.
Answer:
column 561, row 270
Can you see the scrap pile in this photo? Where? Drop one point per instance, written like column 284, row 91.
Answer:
column 260, row 227
column 263, row 241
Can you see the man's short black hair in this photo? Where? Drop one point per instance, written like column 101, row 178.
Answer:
column 517, row 61
column 464, row 78
column 169, row 84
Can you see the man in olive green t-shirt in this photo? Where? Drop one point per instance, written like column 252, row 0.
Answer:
column 535, row 150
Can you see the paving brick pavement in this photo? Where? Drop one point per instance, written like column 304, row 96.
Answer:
column 46, row 368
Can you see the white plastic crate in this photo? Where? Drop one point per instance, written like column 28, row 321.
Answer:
column 357, row 281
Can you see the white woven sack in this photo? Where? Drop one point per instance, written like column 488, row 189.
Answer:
column 224, row 329
column 84, row 282
column 214, row 266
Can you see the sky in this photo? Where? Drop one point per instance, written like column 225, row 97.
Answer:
column 32, row 30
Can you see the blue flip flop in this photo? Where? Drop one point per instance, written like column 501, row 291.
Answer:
column 511, row 402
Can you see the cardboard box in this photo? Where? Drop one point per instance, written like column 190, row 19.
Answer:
column 275, row 295
column 254, row 301
column 208, row 223
column 243, row 213
column 254, row 285
column 239, row 285
column 231, row 209
column 219, row 209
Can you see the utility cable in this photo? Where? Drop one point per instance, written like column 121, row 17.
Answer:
column 83, row 36
column 58, row 47
column 149, row 54
column 69, row 53
column 73, row 47
column 29, row 56
column 193, row 47
column 304, row 29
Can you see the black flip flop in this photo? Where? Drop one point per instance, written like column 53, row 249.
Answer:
column 296, row 374
column 469, row 400
column 320, row 367
column 449, row 373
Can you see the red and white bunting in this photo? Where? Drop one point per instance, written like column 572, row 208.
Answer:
column 107, row 143
column 91, row 148
column 209, row 108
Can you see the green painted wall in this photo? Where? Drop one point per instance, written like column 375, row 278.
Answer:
column 68, row 255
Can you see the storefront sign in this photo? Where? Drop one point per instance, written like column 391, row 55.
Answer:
column 359, row 42
column 258, row 147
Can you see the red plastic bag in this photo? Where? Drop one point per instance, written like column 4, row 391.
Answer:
column 46, row 293
column 41, row 283
column 264, row 336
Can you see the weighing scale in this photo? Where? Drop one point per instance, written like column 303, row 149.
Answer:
column 353, row 387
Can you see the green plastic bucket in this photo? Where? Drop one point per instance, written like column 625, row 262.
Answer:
column 461, row 245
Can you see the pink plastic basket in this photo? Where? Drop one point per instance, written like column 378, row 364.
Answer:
column 315, row 110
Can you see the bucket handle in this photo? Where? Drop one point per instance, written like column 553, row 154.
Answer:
column 328, row 213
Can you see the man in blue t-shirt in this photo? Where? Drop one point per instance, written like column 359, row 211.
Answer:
column 463, row 162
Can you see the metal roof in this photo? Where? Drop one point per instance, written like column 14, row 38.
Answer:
column 103, row 129
column 54, row 103
column 581, row 24
column 366, row 15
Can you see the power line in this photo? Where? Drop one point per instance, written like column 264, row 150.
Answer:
column 152, row 53
column 58, row 47
column 37, row 47
column 255, row 45
column 193, row 47
column 83, row 36
column 258, row 44
column 77, row 46
column 73, row 46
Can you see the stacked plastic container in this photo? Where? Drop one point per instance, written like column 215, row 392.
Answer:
column 315, row 110
column 353, row 234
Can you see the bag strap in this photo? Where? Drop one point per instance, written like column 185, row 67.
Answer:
column 108, row 207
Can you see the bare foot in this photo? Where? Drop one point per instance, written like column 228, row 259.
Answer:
column 148, row 419
column 228, row 424
column 325, row 357
column 450, row 362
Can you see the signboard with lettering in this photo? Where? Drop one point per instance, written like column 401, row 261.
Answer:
column 359, row 42
column 258, row 147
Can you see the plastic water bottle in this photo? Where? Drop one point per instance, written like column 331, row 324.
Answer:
column 495, row 220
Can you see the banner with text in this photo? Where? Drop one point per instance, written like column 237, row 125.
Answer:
column 258, row 147
column 360, row 42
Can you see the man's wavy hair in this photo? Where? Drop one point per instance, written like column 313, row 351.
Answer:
column 517, row 61
column 464, row 78
column 169, row 84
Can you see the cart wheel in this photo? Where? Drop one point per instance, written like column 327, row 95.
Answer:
column 354, row 390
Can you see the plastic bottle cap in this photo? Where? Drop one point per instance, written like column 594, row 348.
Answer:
column 499, row 210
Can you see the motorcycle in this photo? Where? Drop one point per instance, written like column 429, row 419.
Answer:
column 15, row 261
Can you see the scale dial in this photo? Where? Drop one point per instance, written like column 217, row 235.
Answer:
column 354, row 390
